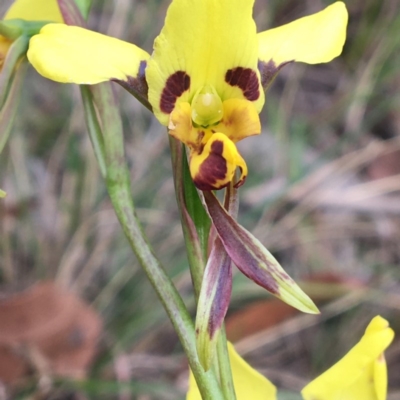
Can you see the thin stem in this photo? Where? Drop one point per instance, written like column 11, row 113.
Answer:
column 196, row 249
column 225, row 371
column 231, row 203
column 118, row 186
column 9, row 109
column 192, row 242
column 95, row 133
column 14, row 54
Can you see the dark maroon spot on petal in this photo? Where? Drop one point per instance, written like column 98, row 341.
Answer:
column 213, row 168
column 175, row 86
column 246, row 79
column 268, row 71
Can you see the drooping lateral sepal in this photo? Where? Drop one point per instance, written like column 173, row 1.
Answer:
column 213, row 302
column 254, row 260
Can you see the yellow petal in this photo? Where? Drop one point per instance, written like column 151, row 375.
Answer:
column 249, row 384
column 216, row 165
column 181, row 127
column 204, row 42
column 361, row 373
column 240, row 119
column 71, row 54
column 314, row 39
column 35, row 10
column 381, row 379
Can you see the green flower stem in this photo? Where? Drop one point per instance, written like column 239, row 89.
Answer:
column 14, row 54
column 231, row 203
column 9, row 109
column 191, row 237
column 196, row 248
column 94, row 129
column 118, row 186
column 195, row 208
column 224, row 365
column 15, row 28
column 10, row 30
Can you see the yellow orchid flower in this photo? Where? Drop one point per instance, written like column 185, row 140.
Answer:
column 206, row 77
column 360, row 375
column 30, row 10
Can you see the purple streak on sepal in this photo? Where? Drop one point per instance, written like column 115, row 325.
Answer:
column 213, row 302
column 254, row 260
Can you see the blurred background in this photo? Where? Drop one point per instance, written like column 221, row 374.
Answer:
column 323, row 195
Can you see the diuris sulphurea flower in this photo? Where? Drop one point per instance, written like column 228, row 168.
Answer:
column 206, row 77
column 204, row 81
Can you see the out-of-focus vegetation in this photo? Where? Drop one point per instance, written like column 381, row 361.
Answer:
column 323, row 194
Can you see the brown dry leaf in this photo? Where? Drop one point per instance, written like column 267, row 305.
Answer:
column 385, row 165
column 47, row 320
column 265, row 314
column 256, row 317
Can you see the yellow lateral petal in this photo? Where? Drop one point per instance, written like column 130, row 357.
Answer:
column 249, row 384
column 180, row 126
column 35, row 10
column 354, row 376
column 314, row 39
column 71, row 54
column 240, row 119
column 204, row 39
